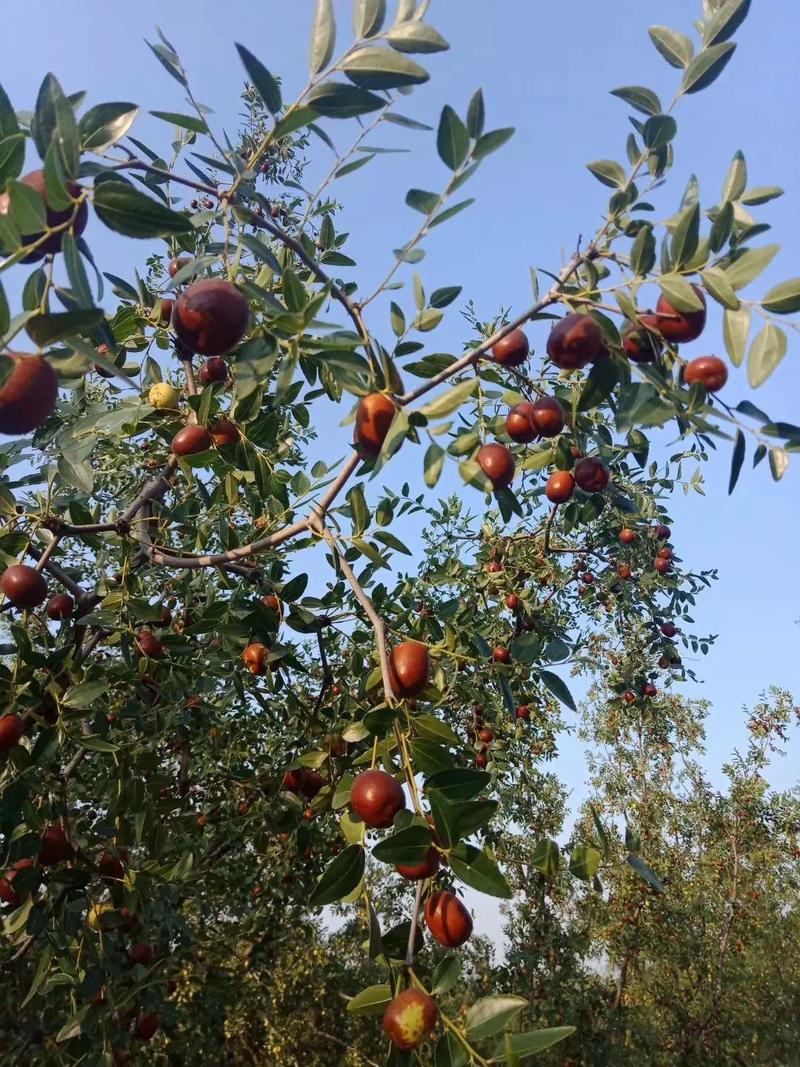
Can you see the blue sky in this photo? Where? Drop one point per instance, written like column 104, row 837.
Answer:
column 546, row 69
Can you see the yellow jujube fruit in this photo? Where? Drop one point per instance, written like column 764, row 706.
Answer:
column 162, row 396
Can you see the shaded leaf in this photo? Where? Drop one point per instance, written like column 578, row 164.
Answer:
column 265, row 84
column 706, row 67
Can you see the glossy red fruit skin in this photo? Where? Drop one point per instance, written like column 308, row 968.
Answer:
column 548, row 416
column 678, row 327
column 560, row 487
column 376, row 797
column 423, row 1012
column 255, row 658
column 511, row 350
column 35, row 180
column 8, row 894
column 668, row 629
column 639, row 344
column 373, row 419
column 409, row 668
column 272, row 602
column 149, row 645
column 147, row 1026
column 293, row 780
column 213, row 370
column 663, row 533
column 649, row 690
column 24, row 586
column 591, row 475
column 627, row 536
column 501, row 654
column 311, row 784
column 12, row 727
column 55, row 847
column 664, row 553
column 519, row 423
column 211, row 317
column 60, row 607
column 710, row 371
column 175, row 265
column 427, row 869
column 190, row 440
column 481, row 761
column 512, row 601
column 624, row 571
column 28, row 395
column 224, row 432
column 497, row 464
column 111, row 867
column 662, row 565
column 574, row 341
column 629, row 697
column 141, row 954
column 447, row 919
column 523, row 711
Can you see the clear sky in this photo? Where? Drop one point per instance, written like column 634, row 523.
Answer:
column 546, row 69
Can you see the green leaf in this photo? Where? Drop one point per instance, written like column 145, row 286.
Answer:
column 680, row 293
column 348, row 168
column 368, row 16
column 474, row 867
column 686, row 236
column 442, row 298
column 391, row 541
column 186, row 122
column 535, row 1041
column 644, row 872
column 416, row 37
column 720, row 288
column 558, row 688
column 783, row 299
column 643, row 252
column 336, row 100
column 130, row 212
column 735, row 331
column 449, row 401
column 103, row 125
column 490, row 1015
column 8, row 118
column 39, row 975
column 706, row 67
column 12, row 157
column 44, row 329
column 382, row 68
column 422, row 201
column 98, row 744
column 446, row 974
column 608, row 172
column 407, row 847
column 659, row 131
column 433, row 464
column 474, row 815
column 761, row 194
column 370, row 1001
column 736, row 178
column 747, row 267
column 443, row 216
column 341, row 877
column 726, row 21
column 458, row 784
column 54, row 122
column 675, row 47
column 778, row 462
column 491, row 141
column 323, row 36
column 639, row 98
column 766, row 352
column 736, row 460
column 452, row 139
column 546, row 858
column 449, row 1052
column 72, row 1027
column 445, row 818
column 584, row 862
column 77, row 473
column 476, row 115
column 265, row 84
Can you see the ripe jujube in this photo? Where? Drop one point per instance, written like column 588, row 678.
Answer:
column 519, row 423
column 426, row 869
column 639, row 344
column 35, row 180
column 373, row 419
column 55, row 847
column 12, row 727
column 627, row 536
column 211, row 317
column 591, row 475
column 678, row 327
column 409, row 1018
column 710, row 371
column 560, row 487
column 254, row 658
column 213, row 370
column 409, row 668
column 28, row 395
column 224, row 432
column 447, row 919
column 24, row 586
column 376, row 797
column 60, row 607
column 497, row 464
column 8, row 894
column 548, row 416
column 511, row 350
column 574, row 341
column 149, row 645
column 190, row 440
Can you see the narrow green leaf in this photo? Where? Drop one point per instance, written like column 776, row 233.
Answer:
column 474, row 867
column 535, row 1041
column 416, row 37
column 452, row 139
column 370, row 1001
column 265, row 84
column 747, row 267
column 766, row 352
column 382, row 68
column 186, row 122
column 584, row 862
column 675, row 47
column 686, row 236
column 491, row 141
column 323, row 36
column 341, row 877
column 450, row 401
column 643, row 251
column 103, row 125
column 644, row 872
column 735, row 331
column 761, row 194
column 736, row 460
column 639, row 98
column 706, row 67
column 490, row 1015
column 608, row 172
column 558, row 688
column 726, row 21
column 679, row 293
column 130, row 212
column 339, row 101
column 433, row 464
column 783, row 299
column 778, row 462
